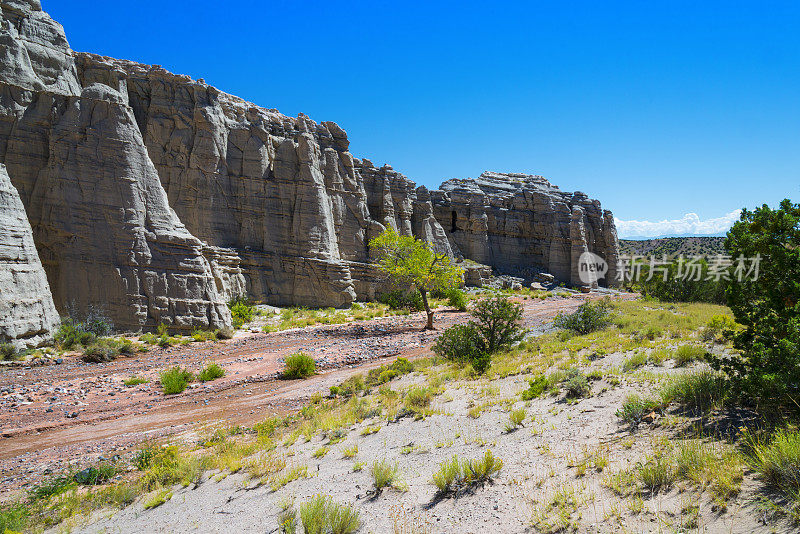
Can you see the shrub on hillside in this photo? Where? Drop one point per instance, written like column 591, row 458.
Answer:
column 680, row 289
column 7, row 351
column 299, row 365
column 463, row 343
column 588, row 318
column 497, row 327
column 175, row 380
column 211, row 372
column 499, row 322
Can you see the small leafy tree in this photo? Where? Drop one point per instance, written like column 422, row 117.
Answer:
column 769, row 305
column 498, row 322
column 498, row 326
column 409, row 261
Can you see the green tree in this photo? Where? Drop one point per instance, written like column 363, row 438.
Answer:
column 409, row 261
column 499, row 322
column 769, row 305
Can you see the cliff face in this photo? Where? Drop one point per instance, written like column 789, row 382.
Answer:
column 101, row 221
column 521, row 223
column 159, row 197
column 27, row 313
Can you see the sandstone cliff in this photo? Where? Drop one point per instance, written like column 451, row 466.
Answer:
column 101, row 220
column 159, row 197
column 521, row 224
column 27, row 313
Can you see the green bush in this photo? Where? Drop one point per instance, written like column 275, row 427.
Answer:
column 457, row 299
column 498, row 320
column 299, row 365
column 7, row 351
column 71, row 334
column 497, row 327
column 211, row 372
column 463, row 344
column 175, row 380
column 536, row 386
column 588, row 318
column 242, row 311
column 577, row 385
column 675, row 289
column 98, row 322
column 398, row 300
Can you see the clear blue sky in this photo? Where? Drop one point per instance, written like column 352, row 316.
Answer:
column 658, row 109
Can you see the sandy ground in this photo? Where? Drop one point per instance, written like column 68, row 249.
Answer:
column 539, row 460
column 55, row 416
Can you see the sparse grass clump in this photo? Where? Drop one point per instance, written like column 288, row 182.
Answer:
column 175, row 380
column 135, row 381
column 702, row 390
column 454, row 474
column 634, row 408
column 418, row 398
column 322, row 515
column 299, row 365
column 515, row 419
column 686, row 354
column 157, row 499
column 385, row 475
column 638, row 359
column 777, row 460
column 211, row 372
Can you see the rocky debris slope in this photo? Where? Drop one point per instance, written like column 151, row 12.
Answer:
column 521, row 224
column 158, row 197
column 26, row 306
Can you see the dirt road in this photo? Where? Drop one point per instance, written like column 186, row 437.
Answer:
column 75, row 412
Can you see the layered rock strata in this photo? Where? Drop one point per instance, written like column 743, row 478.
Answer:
column 520, row 224
column 101, row 221
column 27, row 312
column 159, row 197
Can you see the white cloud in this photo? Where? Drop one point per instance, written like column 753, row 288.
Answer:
column 689, row 224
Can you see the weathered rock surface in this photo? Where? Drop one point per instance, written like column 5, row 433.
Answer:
column 159, row 197
column 27, row 312
column 100, row 218
column 521, row 223
column 283, row 193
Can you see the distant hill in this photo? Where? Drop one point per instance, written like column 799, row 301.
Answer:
column 673, row 246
